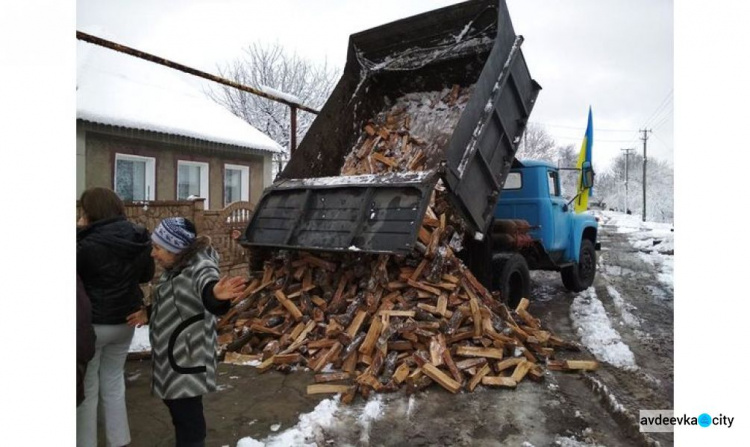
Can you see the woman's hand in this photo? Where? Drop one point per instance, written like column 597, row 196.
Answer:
column 229, row 288
column 138, row 318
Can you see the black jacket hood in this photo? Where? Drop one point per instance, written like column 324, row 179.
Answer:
column 119, row 235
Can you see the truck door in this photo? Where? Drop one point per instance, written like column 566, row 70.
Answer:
column 559, row 207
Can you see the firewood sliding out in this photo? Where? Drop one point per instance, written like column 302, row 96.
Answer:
column 376, row 323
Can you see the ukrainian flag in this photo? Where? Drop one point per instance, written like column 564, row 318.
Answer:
column 582, row 200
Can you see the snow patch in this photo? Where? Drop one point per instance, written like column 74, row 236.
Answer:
column 624, row 308
column 596, row 332
column 140, row 341
column 305, row 432
column 372, row 411
column 565, row 441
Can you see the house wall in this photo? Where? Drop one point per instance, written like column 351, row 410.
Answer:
column 100, row 143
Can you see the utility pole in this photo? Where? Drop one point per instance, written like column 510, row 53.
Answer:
column 645, row 139
column 628, row 153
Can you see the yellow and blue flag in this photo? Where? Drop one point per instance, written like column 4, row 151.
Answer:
column 584, row 158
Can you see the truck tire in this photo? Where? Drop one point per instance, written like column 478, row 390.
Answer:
column 580, row 276
column 510, row 276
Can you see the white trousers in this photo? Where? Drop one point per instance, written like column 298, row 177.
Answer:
column 105, row 383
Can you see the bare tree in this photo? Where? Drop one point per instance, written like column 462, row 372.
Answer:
column 270, row 67
column 536, row 144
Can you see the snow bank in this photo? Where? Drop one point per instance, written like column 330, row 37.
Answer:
column 596, row 332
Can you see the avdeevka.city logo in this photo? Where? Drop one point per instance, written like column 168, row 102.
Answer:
column 704, row 420
column 665, row 420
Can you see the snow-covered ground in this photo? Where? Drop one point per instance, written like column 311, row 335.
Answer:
column 596, row 331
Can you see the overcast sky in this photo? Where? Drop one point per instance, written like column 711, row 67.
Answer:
column 616, row 56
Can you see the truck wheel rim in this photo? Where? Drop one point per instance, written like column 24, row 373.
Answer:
column 587, row 265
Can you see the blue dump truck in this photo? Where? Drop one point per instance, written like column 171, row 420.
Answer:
column 513, row 214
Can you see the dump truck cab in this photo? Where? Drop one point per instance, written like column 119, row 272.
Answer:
column 560, row 239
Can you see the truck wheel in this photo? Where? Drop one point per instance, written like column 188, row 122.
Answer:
column 511, row 278
column 580, row 276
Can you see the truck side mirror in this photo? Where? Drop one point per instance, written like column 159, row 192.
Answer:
column 587, row 177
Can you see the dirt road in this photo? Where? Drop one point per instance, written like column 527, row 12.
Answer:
column 598, row 408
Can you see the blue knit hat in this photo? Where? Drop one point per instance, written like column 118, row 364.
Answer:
column 173, row 234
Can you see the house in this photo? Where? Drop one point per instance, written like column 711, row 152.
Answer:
column 150, row 133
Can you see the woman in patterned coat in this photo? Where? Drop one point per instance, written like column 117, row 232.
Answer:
column 182, row 325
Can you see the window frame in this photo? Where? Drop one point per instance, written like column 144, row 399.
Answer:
column 511, row 175
column 204, row 180
column 150, row 180
column 244, row 181
column 554, row 176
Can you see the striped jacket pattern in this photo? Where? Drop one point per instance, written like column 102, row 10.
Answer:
column 182, row 332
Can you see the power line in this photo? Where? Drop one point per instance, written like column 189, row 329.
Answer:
column 664, row 120
column 659, row 107
column 581, row 128
column 595, row 139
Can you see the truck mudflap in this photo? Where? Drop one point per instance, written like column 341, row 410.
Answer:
column 375, row 214
column 470, row 44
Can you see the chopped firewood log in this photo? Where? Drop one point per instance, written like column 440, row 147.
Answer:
column 332, row 377
column 572, row 365
column 401, row 373
column 349, row 395
column 422, row 286
column 508, row 363
column 528, row 319
column 521, row 369
column 507, row 382
column 448, row 360
column 478, row 377
column 351, row 358
column 536, row 373
column 353, row 328
column 436, row 351
column 293, row 310
column 372, row 337
column 471, row 351
column 522, row 305
column 441, row 378
column 324, row 388
column 470, row 363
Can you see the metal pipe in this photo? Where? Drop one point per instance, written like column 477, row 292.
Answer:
column 184, row 68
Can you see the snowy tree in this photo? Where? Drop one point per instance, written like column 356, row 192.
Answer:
column 270, row 66
column 659, row 187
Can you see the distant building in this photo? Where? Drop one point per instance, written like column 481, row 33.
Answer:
column 145, row 131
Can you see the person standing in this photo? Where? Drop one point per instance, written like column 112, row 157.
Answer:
column 85, row 338
column 182, row 325
column 112, row 258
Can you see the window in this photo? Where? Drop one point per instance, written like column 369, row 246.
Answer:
column 236, row 183
column 134, row 177
column 513, row 181
column 554, row 189
column 192, row 180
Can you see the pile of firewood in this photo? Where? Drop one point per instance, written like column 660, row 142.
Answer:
column 368, row 322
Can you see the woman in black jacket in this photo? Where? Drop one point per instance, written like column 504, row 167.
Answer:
column 112, row 257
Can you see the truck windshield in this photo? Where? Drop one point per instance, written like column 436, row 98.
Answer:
column 513, row 181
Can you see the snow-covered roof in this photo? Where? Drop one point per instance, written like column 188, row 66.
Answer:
column 121, row 90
